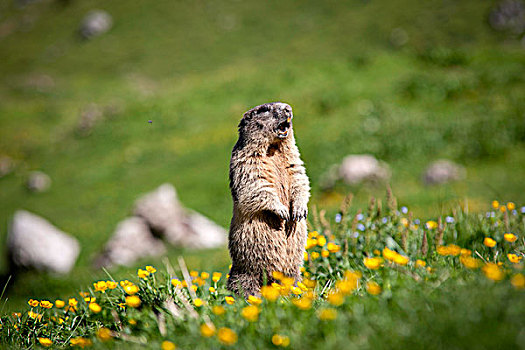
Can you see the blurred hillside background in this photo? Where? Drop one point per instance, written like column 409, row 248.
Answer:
column 407, row 81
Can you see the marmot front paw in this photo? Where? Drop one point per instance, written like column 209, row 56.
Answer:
column 299, row 212
column 282, row 212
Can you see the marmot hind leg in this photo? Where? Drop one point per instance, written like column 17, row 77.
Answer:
column 244, row 284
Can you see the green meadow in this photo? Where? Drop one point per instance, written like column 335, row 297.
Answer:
column 409, row 82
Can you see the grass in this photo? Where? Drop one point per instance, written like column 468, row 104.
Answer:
column 372, row 280
column 454, row 90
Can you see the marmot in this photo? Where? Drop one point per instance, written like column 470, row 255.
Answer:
column 270, row 191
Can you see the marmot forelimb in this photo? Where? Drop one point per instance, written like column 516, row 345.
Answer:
column 270, row 191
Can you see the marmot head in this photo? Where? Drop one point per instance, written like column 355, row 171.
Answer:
column 270, row 121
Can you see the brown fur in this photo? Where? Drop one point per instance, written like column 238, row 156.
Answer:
column 270, row 191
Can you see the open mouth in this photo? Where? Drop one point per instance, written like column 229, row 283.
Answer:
column 284, row 128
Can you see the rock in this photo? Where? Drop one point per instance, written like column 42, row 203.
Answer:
column 508, row 15
column 35, row 243
column 199, row 232
column 131, row 241
column 6, row 166
column 363, row 167
column 161, row 209
column 38, row 181
column 443, row 171
column 180, row 227
column 95, row 23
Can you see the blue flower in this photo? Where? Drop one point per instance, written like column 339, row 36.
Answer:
column 338, row 217
column 360, row 217
column 449, row 219
column 360, row 227
column 404, row 210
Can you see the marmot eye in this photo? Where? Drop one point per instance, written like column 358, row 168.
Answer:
column 263, row 109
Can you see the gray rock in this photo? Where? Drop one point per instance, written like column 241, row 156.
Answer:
column 38, row 181
column 7, row 165
column 95, row 23
column 161, row 209
column 131, row 241
column 508, row 15
column 180, row 227
column 443, row 171
column 35, row 243
column 363, row 167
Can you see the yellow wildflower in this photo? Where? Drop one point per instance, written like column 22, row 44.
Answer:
column 277, row 340
column 404, row 222
column 305, row 256
column 511, row 206
column 309, row 283
column 489, row 242
column 59, row 303
column 302, row 286
column 252, row 299
column 503, row 208
column 313, row 234
column 510, row 237
column 493, row 272
column 442, row 250
column 211, row 289
column 218, row 310
column 332, row 247
column 193, row 287
column 270, row 293
column 151, row 269
column 401, row 260
column 207, row 330
column 328, row 314
column 454, row 250
column 205, row 275
column 185, row 284
column 46, row 342
column 198, row 302
column 469, row 262
column 229, row 300
column 194, row 273
column 199, row 281
column 95, row 307
column 431, row 224
column 513, row 258
column 46, row 304
column 465, row 251
column 310, row 243
column 373, row 288
column 335, row 298
column 420, row 263
column 495, row 204
column 34, row 315
column 111, row 284
column 176, row 283
column 303, row 303
column 278, row 275
column 346, row 286
column 133, row 301
column 325, row 253
column 100, row 286
column 250, row 313
column 142, row 273
column 518, row 281
column 131, row 289
column 389, row 254
column 33, row 303
column 125, row 283
column 167, row 345
column 321, row 241
column 72, row 302
column 373, row 263
column 227, row 336
column 132, row 322
column 315, row 255
column 81, row 342
column 216, row 276
column 104, row 334
column 296, row 290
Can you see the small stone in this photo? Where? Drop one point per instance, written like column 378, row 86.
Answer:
column 38, row 181
column 33, row 242
column 443, row 171
column 7, row 165
column 95, row 23
column 363, row 167
column 131, row 241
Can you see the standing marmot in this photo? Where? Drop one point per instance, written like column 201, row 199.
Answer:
column 270, row 193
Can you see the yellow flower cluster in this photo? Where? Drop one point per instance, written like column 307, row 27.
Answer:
column 373, row 263
column 451, row 249
column 81, row 342
column 493, row 272
column 227, row 336
column 395, row 257
column 207, row 330
column 489, row 242
column 510, row 237
column 101, row 286
column 251, row 313
column 280, row 340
